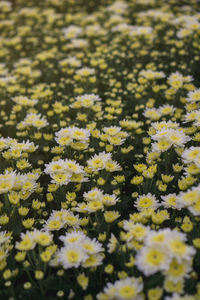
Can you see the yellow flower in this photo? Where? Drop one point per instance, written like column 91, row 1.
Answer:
column 23, row 211
column 26, row 244
column 102, row 237
column 109, row 269
column 131, row 262
column 43, row 238
column 45, row 256
column 4, row 219
column 93, row 206
column 111, row 216
column 71, row 196
column 137, row 180
column 167, row 178
column 155, row 294
column 20, row 256
column 82, row 281
column 28, row 223
column 62, row 178
column 173, row 287
column 14, row 198
column 196, row 243
column 39, row 275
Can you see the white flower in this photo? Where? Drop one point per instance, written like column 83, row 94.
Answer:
column 173, row 136
column 164, row 125
column 91, row 246
column 93, row 195
column 71, row 61
column 98, row 161
column 72, row 31
column 146, row 202
column 77, row 43
column 55, row 167
column 169, row 201
column 128, row 288
column 158, row 238
column 113, row 130
column 152, row 259
column 151, row 75
column 191, row 154
column 71, row 256
column 85, row 72
column 193, row 96
column 79, row 134
column 73, row 238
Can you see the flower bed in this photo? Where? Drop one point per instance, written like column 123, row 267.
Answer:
column 99, row 150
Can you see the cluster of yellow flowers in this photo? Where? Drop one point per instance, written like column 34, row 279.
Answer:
column 100, row 149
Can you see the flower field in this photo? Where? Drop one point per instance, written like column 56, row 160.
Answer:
column 100, row 149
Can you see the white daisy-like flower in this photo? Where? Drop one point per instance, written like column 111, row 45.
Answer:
column 73, row 167
column 70, row 61
column 173, row 136
column 98, row 161
column 191, row 154
column 193, row 96
column 71, row 256
column 178, row 270
column 128, row 288
column 178, row 249
column 72, row 31
column 93, row 195
column 55, row 167
column 188, row 198
column 158, row 238
column 91, row 246
column 85, row 72
column 147, row 201
column 73, row 238
column 176, row 296
column 150, row 260
column 169, row 201
column 164, row 125
column 25, row 101
column 113, row 130
column 151, row 75
column 77, row 43
column 137, row 232
column 167, row 109
column 79, row 134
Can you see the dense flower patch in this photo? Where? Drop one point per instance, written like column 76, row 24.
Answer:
column 100, row 149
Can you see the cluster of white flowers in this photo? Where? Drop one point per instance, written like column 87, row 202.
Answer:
column 114, row 135
column 151, row 75
column 31, row 238
column 103, row 161
column 72, row 31
column 86, row 100
column 128, row 288
column 78, row 250
column 25, row 101
column 166, row 251
column 15, row 182
column 85, row 72
column 165, row 138
column 193, row 96
column 176, row 80
column 35, row 120
column 71, row 61
column 61, row 219
column 72, row 135
column 190, row 199
column 64, row 171
column 192, row 155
